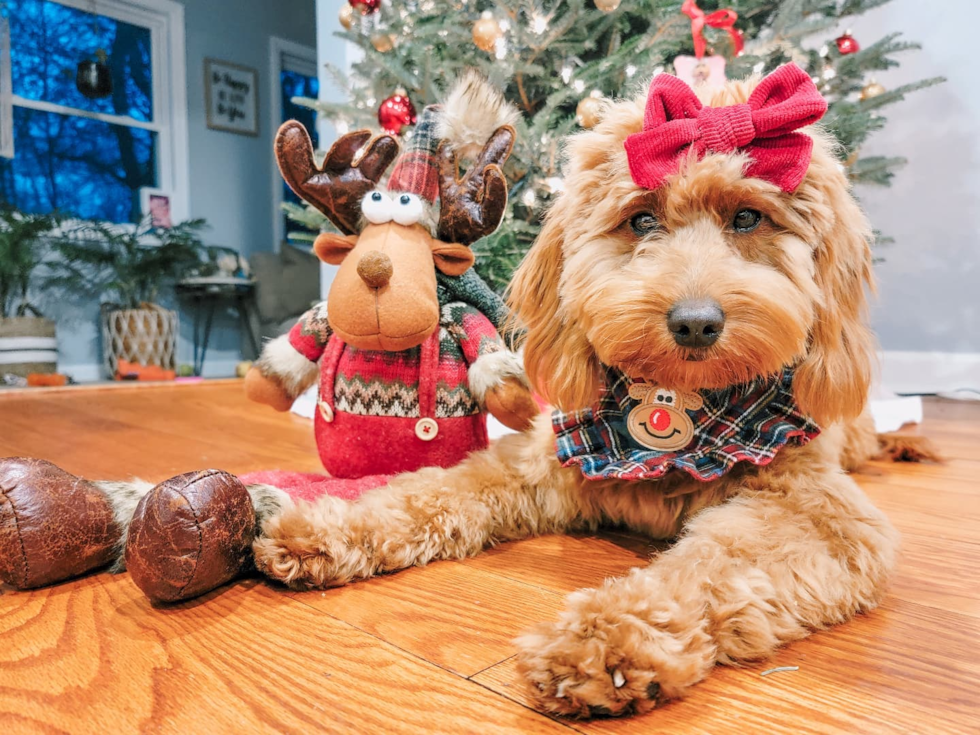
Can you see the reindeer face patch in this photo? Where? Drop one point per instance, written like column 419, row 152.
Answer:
column 661, row 422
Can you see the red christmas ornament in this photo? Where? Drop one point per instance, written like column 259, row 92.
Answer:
column 365, row 7
column 395, row 113
column 847, row 44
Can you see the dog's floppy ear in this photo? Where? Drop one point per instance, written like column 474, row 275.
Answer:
column 833, row 380
column 558, row 359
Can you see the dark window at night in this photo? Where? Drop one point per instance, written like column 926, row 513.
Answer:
column 84, row 157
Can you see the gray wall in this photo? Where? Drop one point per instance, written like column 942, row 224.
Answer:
column 929, row 298
column 230, row 175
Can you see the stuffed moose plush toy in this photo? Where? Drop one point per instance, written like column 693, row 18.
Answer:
column 405, row 349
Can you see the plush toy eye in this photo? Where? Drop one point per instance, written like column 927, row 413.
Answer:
column 377, row 207
column 746, row 220
column 407, row 209
column 643, row 224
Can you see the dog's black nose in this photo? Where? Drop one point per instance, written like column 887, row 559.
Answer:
column 696, row 322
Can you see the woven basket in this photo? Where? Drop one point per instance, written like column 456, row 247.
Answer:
column 146, row 336
column 27, row 345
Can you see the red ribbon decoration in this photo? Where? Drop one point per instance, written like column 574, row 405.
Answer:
column 718, row 19
column 675, row 123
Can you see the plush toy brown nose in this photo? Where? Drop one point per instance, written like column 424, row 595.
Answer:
column 696, row 322
column 375, row 269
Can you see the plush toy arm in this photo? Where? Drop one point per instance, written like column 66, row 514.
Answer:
column 496, row 375
column 498, row 382
column 287, row 365
column 279, row 375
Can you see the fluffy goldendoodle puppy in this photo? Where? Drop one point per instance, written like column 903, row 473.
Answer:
column 723, row 294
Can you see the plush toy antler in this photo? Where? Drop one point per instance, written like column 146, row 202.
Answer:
column 337, row 187
column 473, row 206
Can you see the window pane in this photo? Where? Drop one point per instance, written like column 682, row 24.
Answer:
column 86, row 168
column 47, row 42
column 294, row 84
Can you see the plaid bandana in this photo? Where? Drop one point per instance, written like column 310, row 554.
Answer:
column 749, row 422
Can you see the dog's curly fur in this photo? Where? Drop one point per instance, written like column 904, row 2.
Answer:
column 764, row 555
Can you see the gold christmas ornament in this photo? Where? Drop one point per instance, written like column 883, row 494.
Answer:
column 607, row 6
column 589, row 110
column 871, row 89
column 346, row 16
column 383, row 42
column 486, row 33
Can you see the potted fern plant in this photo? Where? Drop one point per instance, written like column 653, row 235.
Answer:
column 127, row 268
column 27, row 340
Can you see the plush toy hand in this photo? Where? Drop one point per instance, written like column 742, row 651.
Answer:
column 512, row 404
column 262, row 389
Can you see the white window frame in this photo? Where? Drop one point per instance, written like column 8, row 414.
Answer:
column 283, row 55
column 165, row 20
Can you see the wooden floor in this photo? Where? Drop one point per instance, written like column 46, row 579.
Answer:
column 429, row 650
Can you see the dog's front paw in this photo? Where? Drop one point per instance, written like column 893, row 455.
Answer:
column 607, row 663
column 311, row 546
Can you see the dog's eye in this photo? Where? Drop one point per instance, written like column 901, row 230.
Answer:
column 746, row 220
column 643, row 224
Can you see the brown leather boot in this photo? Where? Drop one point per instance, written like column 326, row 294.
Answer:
column 190, row 534
column 53, row 525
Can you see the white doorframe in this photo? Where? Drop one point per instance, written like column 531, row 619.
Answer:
column 303, row 59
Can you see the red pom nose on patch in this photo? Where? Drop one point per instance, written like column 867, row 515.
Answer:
column 659, row 420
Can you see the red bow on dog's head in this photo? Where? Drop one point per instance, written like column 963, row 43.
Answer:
column 675, row 121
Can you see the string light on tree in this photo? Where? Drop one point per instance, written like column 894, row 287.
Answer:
column 396, row 112
column 607, row 6
column 589, row 109
column 486, row 32
column 871, row 89
column 847, row 44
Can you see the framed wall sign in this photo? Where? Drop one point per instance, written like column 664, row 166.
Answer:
column 231, row 97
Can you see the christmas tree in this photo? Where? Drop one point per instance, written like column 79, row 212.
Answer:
column 558, row 59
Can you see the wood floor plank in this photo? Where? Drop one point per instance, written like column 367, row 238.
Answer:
column 155, row 433
column 93, row 656
column 567, row 563
column 939, row 572
column 458, row 617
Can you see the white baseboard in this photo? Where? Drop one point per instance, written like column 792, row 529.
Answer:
column 88, row 372
column 930, row 372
